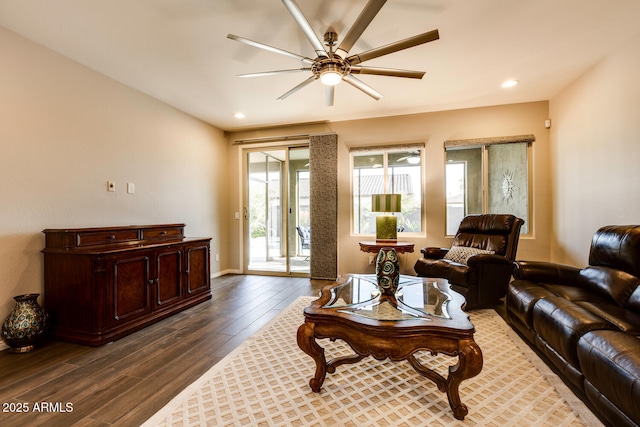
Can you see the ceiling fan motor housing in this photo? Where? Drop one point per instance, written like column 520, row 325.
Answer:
column 334, row 65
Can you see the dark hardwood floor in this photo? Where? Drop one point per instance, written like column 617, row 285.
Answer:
column 127, row 381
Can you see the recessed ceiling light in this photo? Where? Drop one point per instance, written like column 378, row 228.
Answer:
column 509, row 83
column 239, row 115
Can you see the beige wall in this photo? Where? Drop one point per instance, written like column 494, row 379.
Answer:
column 595, row 148
column 65, row 131
column 432, row 129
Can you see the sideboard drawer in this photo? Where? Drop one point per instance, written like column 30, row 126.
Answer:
column 106, row 237
column 162, row 233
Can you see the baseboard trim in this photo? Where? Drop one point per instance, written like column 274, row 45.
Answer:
column 224, row 272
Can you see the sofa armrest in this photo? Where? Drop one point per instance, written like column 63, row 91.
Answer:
column 547, row 272
column 434, row 253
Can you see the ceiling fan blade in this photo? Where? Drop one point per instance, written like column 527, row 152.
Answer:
column 394, row 47
column 364, row 19
column 392, row 72
column 297, row 88
column 330, row 93
column 363, row 87
column 269, row 48
column 273, row 73
column 297, row 14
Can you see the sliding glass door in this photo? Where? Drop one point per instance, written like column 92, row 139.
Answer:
column 276, row 211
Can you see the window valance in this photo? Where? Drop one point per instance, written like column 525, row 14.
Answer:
column 262, row 140
column 408, row 147
column 455, row 143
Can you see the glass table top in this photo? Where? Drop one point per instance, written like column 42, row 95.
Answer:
column 416, row 298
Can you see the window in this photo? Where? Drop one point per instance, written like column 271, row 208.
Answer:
column 390, row 171
column 487, row 176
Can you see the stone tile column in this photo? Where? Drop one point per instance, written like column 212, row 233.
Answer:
column 323, row 159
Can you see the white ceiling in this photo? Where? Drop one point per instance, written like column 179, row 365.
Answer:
column 177, row 51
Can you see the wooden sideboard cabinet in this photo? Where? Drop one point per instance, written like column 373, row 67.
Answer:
column 101, row 284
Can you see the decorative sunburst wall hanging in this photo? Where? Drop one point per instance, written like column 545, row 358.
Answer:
column 507, row 185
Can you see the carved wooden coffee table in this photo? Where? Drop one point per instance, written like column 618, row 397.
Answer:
column 423, row 315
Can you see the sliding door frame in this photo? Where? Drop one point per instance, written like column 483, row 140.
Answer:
column 286, row 204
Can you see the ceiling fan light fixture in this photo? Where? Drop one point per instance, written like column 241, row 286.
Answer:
column 330, row 76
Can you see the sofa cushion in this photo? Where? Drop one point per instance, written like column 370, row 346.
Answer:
column 610, row 361
column 561, row 323
column 576, row 294
column 615, row 284
column 623, row 319
column 461, row 254
column 521, row 297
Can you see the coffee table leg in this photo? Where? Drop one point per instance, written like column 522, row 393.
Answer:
column 308, row 344
column 469, row 365
column 438, row 379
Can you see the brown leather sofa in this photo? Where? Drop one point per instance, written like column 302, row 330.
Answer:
column 487, row 246
column 586, row 322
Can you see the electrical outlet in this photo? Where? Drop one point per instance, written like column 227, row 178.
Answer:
column 217, row 257
column 131, row 187
column 370, row 259
column 111, row 186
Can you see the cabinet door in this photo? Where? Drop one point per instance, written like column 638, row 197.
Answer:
column 129, row 287
column 168, row 277
column 197, row 268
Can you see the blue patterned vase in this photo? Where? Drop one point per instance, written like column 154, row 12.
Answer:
column 25, row 325
column 388, row 271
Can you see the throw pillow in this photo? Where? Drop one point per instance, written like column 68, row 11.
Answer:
column 461, row 254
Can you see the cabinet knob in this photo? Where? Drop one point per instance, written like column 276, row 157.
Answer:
column 112, row 237
column 163, row 233
column 151, row 281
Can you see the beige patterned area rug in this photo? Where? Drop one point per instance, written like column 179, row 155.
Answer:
column 264, row 382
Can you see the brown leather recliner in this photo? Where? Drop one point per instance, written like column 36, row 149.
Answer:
column 479, row 263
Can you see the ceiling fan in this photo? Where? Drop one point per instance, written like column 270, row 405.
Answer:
column 334, row 64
